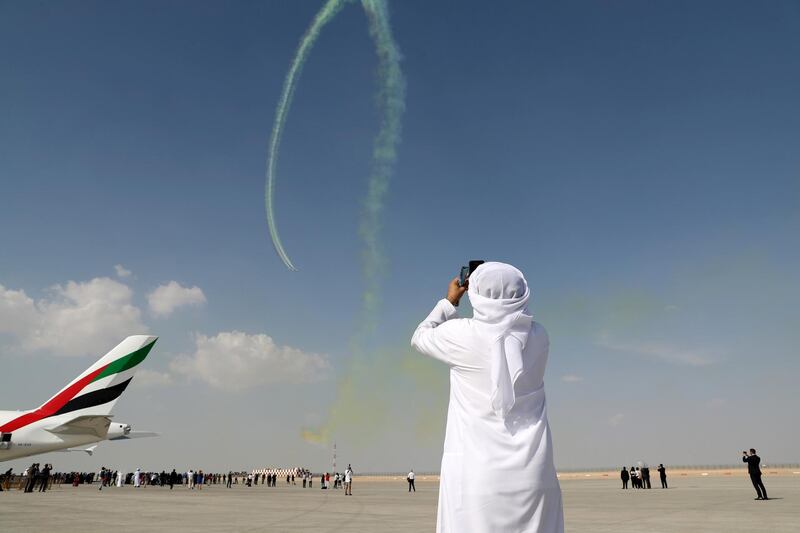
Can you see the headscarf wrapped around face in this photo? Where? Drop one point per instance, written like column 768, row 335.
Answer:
column 499, row 296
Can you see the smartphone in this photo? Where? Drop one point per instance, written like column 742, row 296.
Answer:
column 463, row 276
column 466, row 271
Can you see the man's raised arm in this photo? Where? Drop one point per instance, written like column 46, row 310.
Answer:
column 426, row 338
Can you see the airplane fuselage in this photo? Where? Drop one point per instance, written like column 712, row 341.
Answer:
column 80, row 413
column 37, row 438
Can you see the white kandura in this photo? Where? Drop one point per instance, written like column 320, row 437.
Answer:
column 497, row 469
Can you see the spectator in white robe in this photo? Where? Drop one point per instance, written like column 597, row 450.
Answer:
column 497, row 470
column 120, row 477
column 348, row 481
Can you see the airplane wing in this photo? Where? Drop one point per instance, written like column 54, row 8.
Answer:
column 84, row 425
column 135, row 435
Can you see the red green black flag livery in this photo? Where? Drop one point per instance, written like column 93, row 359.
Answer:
column 96, row 390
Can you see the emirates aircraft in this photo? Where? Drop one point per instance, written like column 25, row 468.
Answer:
column 80, row 413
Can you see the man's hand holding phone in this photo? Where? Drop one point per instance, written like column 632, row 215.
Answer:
column 455, row 291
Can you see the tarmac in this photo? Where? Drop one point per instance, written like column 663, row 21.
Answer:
column 697, row 505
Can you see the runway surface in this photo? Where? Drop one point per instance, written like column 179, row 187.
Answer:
column 598, row 506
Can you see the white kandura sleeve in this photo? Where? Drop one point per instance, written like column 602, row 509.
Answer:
column 429, row 340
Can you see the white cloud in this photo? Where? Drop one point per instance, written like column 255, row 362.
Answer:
column 571, row 378
column 659, row 350
column 166, row 298
column 616, row 419
column 18, row 313
column 79, row 318
column 122, row 272
column 234, row 360
column 150, row 378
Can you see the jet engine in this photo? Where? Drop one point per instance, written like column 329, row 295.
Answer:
column 118, row 431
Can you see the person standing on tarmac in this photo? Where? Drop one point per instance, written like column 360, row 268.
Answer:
column 45, row 476
column 348, row 481
column 754, row 469
column 662, row 473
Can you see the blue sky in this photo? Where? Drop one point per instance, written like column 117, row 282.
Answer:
column 638, row 161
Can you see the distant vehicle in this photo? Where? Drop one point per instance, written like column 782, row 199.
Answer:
column 80, row 413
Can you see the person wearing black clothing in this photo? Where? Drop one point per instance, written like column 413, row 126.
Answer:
column 662, row 472
column 646, row 477
column 45, row 477
column 229, row 484
column 173, row 478
column 625, row 477
column 753, row 468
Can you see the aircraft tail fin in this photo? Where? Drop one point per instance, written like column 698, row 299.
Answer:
column 97, row 389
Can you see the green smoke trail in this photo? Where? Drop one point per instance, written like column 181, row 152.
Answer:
column 391, row 101
column 350, row 403
column 324, row 16
column 360, row 402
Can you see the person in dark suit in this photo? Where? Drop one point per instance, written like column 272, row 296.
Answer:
column 625, row 477
column 754, row 469
column 662, row 473
column 646, row 477
column 44, row 476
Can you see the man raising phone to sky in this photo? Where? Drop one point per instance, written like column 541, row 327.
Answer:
column 497, row 429
column 754, row 469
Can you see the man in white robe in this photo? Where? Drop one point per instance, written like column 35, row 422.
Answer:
column 348, row 481
column 137, row 478
column 497, row 472
column 120, row 477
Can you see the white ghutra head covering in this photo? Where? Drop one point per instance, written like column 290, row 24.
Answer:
column 499, row 296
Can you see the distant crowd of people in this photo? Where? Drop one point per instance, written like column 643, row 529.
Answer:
column 336, row 480
column 340, row 480
column 38, row 478
column 34, row 478
column 639, row 477
column 269, row 477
